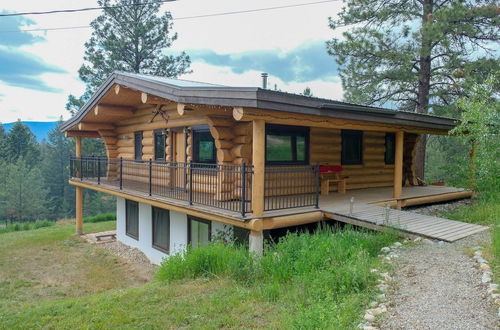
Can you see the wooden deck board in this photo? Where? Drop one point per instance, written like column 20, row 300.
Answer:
column 408, row 222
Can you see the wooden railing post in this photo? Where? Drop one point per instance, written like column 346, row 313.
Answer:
column 121, row 173
column 150, row 176
column 398, row 165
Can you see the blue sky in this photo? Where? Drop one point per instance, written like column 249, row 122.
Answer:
column 38, row 70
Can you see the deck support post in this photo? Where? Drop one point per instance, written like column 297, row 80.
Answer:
column 398, row 165
column 256, row 242
column 259, row 163
column 79, row 191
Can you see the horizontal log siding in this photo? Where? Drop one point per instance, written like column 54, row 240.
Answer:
column 325, row 149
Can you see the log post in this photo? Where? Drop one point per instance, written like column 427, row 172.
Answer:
column 256, row 242
column 79, row 192
column 398, row 165
column 258, row 161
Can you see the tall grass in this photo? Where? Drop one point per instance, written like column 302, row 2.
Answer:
column 321, row 278
column 100, row 218
column 22, row 226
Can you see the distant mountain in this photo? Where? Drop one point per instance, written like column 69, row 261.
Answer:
column 41, row 129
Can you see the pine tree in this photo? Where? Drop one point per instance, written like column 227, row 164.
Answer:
column 3, row 143
column 21, row 143
column 414, row 55
column 25, row 196
column 130, row 38
column 55, row 170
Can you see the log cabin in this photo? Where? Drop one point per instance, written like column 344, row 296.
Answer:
column 188, row 161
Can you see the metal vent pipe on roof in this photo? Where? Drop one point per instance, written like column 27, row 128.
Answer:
column 264, row 80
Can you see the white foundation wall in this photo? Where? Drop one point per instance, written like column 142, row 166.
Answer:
column 178, row 231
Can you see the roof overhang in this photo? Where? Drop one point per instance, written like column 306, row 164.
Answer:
column 253, row 97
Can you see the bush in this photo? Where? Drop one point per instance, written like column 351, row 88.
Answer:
column 26, row 226
column 101, row 217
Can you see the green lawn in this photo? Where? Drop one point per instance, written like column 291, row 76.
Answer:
column 53, row 280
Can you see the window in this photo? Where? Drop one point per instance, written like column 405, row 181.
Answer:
column 203, row 147
column 132, row 219
column 199, row 232
column 138, row 145
column 287, row 145
column 352, row 147
column 160, row 139
column 161, row 229
column 389, row 148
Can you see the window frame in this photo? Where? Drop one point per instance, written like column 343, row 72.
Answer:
column 153, row 244
column 387, row 158
column 127, row 232
column 138, row 147
column 190, row 220
column 351, row 133
column 294, row 132
column 195, row 131
column 157, row 134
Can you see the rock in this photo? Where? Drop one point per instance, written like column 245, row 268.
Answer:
column 381, row 296
column 495, row 296
column 484, row 267
column 377, row 311
column 373, row 270
column 478, row 253
column 397, row 244
column 393, row 255
column 440, row 243
column 476, row 248
column 383, row 287
column 486, row 278
column 362, row 325
column 497, row 301
column 481, row 261
column 493, row 286
column 373, row 304
column 427, row 241
column 418, row 239
column 369, row 317
column 369, row 327
column 385, row 249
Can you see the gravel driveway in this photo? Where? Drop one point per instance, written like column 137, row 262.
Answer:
column 439, row 287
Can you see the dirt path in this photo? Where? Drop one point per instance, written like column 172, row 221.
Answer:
column 439, row 287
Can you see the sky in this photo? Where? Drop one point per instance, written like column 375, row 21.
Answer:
column 38, row 70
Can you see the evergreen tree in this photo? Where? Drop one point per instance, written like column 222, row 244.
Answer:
column 131, row 37
column 21, row 143
column 25, row 196
column 3, row 143
column 55, row 170
column 307, row 92
column 414, row 55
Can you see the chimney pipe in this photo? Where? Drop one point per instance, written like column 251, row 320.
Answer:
column 264, row 80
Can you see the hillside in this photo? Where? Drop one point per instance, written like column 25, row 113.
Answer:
column 41, row 129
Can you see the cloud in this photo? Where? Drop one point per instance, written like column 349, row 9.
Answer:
column 305, row 63
column 11, row 24
column 20, row 68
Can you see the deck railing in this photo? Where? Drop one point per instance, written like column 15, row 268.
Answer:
column 222, row 186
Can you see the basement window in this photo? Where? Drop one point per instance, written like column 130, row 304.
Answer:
column 132, row 219
column 390, row 150
column 352, row 147
column 160, row 143
column 199, row 232
column 161, row 229
column 204, row 150
column 138, row 145
column 287, row 145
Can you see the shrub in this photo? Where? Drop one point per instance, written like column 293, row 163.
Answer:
column 100, row 217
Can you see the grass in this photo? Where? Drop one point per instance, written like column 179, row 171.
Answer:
column 317, row 280
column 21, row 226
column 100, row 218
column 51, row 263
column 485, row 210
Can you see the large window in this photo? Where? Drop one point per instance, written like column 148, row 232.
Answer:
column 352, row 147
column 160, row 139
column 161, row 229
column 287, row 145
column 203, row 146
column 199, row 232
column 138, row 145
column 389, row 148
column 132, row 219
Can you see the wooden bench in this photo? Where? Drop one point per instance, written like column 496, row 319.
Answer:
column 99, row 237
column 331, row 174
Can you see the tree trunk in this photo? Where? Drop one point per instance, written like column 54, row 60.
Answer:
column 424, row 84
